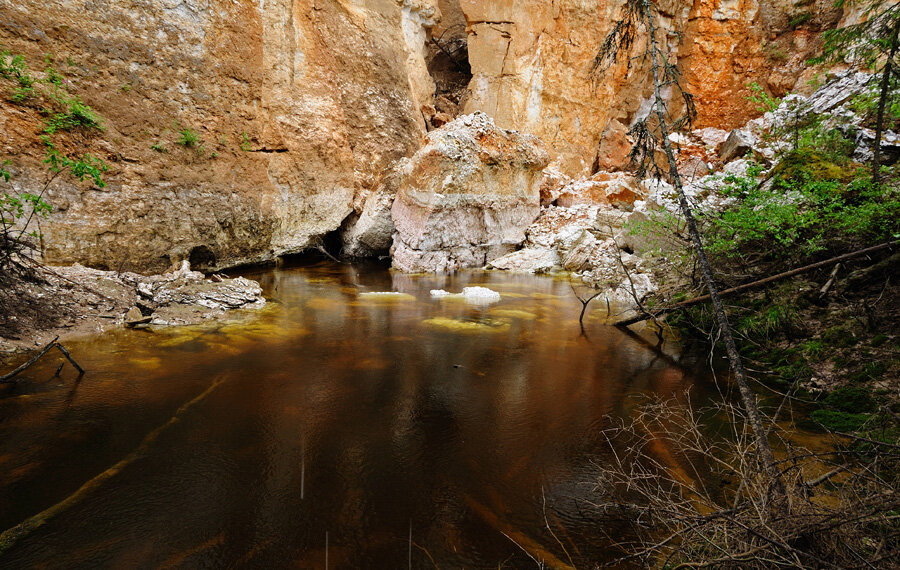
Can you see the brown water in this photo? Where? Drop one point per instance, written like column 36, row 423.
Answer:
column 337, row 426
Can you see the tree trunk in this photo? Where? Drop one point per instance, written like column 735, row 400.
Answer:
column 748, row 398
column 882, row 103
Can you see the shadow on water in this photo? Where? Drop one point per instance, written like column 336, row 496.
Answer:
column 372, row 418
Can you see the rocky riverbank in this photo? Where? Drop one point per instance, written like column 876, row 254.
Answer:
column 78, row 301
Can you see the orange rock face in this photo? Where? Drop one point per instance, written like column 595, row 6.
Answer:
column 302, row 106
column 298, row 106
column 531, row 61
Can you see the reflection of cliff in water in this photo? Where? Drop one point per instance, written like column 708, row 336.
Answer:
column 339, row 414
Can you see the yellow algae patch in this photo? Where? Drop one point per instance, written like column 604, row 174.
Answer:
column 385, row 296
column 148, row 363
column 225, row 348
column 546, row 296
column 465, row 327
column 513, row 314
column 178, row 338
column 514, row 295
column 324, row 304
column 370, row 364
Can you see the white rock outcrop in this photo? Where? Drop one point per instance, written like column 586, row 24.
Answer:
column 466, row 197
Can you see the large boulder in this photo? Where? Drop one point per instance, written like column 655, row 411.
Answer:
column 369, row 230
column 736, row 145
column 467, row 196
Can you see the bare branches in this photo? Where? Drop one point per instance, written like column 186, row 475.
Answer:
column 695, row 499
column 649, row 138
column 8, row 378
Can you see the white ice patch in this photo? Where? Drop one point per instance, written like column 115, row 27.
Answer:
column 474, row 295
column 386, row 296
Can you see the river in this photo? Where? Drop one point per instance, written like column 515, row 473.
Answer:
column 333, row 427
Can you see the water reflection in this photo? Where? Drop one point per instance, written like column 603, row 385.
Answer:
column 342, row 413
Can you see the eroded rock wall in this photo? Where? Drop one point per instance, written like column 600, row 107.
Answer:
column 303, row 106
column 531, row 61
column 299, row 105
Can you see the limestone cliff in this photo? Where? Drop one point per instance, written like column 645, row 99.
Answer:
column 302, row 107
column 299, row 104
column 531, row 63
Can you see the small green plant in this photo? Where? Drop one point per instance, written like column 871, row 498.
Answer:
column 763, row 101
column 126, row 87
column 86, row 166
column 75, row 114
column 54, row 77
column 865, row 105
column 245, row 142
column 14, row 67
column 17, row 211
column 188, row 137
column 839, row 421
column 799, row 20
column 851, row 400
column 159, row 147
column 814, row 349
column 775, row 52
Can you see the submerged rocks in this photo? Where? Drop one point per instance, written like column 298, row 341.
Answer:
column 466, row 197
column 76, row 301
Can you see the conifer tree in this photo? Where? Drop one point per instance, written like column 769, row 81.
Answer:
column 872, row 43
column 636, row 40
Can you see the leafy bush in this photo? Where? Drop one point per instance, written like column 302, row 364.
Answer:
column 54, row 77
column 764, row 102
column 75, row 114
column 807, row 204
column 87, row 166
column 839, row 421
column 851, row 400
column 188, row 137
column 866, row 104
column 16, row 211
column 15, row 68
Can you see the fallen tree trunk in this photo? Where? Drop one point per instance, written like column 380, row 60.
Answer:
column 747, row 286
column 6, row 378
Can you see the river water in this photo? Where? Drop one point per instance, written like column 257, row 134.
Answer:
column 332, row 428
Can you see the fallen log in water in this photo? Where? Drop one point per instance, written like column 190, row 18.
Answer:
column 8, row 378
column 534, row 550
column 747, row 286
column 11, row 536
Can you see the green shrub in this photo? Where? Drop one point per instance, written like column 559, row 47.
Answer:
column 807, row 204
column 799, row 20
column 865, row 104
column 14, row 68
column 54, row 77
column 188, row 137
column 851, row 400
column 764, row 102
column 159, row 147
column 839, row 421
column 75, row 114
column 878, row 340
column 87, row 166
